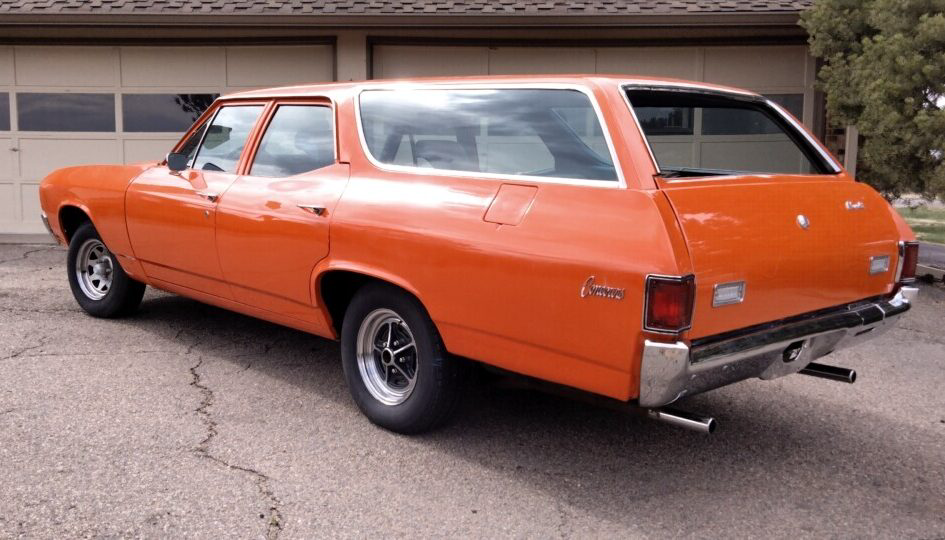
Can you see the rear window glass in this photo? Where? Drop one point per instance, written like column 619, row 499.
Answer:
column 694, row 134
column 526, row 132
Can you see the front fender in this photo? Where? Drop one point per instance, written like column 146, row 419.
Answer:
column 97, row 190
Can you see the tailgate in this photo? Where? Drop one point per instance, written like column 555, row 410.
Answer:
column 749, row 229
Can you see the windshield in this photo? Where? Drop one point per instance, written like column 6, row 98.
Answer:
column 528, row 132
column 699, row 134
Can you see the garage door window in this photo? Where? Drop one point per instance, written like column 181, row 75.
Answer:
column 522, row 132
column 66, row 112
column 4, row 111
column 225, row 138
column 300, row 138
column 156, row 113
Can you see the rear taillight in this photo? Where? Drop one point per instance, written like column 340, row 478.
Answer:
column 908, row 260
column 669, row 303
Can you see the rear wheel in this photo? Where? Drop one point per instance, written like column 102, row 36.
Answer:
column 98, row 282
column 396, row 366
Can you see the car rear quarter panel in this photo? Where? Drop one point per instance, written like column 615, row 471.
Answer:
column 510, row 295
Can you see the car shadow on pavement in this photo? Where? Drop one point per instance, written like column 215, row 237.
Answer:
column 774, row 441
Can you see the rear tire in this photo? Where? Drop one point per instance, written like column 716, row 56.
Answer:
column 98, row 282
column 395, row 364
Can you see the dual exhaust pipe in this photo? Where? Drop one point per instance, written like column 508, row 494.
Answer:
column 707, row 424
column 831, row 373
column 683, row 419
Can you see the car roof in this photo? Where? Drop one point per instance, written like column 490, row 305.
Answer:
column 322, row 89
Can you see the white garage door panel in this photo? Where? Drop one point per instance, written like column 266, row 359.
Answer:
column 66, row 66
column 755, row 67
column 392, row 61
column 138, row 151
column 6, row 65
column 6, row 159
column 38, row 157
column 124, row 70
column 8, row 203
column 514, row 60
column 274, row 66
column 177, row 67
column 29, row 193
column 675, row 62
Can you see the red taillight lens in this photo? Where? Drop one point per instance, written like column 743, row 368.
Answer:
column 669, row 303
column 910, row 259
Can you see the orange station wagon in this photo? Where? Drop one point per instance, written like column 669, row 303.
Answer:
column 634, row 238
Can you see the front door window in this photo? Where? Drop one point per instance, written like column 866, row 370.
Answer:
column 225, row 138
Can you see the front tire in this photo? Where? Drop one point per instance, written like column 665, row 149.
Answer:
column 98, row 282
column 395, row 364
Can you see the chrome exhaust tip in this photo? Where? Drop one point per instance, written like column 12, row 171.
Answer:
column 683, row 419
column 832, row 373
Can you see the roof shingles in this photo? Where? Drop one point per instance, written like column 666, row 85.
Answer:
column 387, row 7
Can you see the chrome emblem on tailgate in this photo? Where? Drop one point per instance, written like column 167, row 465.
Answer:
column 802, row 221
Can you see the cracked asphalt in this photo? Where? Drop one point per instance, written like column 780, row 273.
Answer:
column 189, row 421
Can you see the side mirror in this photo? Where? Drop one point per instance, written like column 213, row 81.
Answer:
column 177, row 162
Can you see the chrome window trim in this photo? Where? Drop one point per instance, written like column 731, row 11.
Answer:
column 208, row 123
column 807, row 136
column 620, row 183
column 737, row 94
column 646, row 301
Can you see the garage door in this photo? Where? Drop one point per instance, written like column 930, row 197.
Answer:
column 784, row 73
column 73, row 105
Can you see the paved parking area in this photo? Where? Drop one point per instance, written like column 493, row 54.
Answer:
column 189, row 421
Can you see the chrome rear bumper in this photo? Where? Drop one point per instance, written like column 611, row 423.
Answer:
column 670, row 371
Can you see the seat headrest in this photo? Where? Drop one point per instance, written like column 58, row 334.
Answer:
column 443, row 154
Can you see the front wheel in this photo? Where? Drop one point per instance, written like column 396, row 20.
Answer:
column 395, row 364
column 98, row 282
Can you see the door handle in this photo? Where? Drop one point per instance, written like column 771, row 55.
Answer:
column 210, row 196
column 315, row 209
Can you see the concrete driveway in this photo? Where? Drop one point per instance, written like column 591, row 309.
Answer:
column 189, row 421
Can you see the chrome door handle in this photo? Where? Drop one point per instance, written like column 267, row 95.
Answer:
column 851, row 205
column 315, row 209
column 212, row 197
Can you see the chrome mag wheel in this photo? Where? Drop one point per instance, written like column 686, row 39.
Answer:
column 94, row 269
column 387, row 356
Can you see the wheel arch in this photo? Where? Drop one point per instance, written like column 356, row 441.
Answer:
column 336, row 285
column 71, row 216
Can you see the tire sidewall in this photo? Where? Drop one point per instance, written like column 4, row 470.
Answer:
column 114, row 300
column 415, row 413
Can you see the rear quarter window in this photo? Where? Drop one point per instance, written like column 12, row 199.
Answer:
column 548, row 133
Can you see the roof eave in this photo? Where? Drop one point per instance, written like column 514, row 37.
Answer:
column 703, row 19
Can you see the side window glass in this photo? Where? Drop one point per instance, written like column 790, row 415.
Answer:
column 300, row 138
column 190, row 145
column 225, row 138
